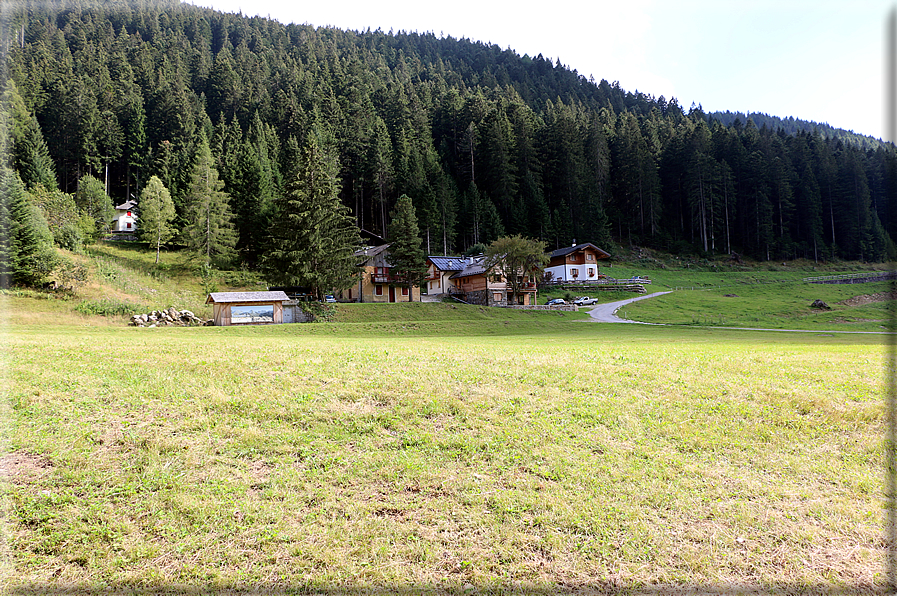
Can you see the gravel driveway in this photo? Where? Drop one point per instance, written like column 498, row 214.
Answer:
column 605, row 313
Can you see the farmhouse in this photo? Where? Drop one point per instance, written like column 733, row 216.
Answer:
column 125, row 219
column 477, row 285
column 247, row 308
column 376, row 282
column 576, row 263
column 439, row 273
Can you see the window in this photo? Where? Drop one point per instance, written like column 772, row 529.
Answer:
column 378, row 290
column 591, row 272
column 590, row 257
column 129, row 225
column 574, row 272
column 496, row 297
column 404, row 291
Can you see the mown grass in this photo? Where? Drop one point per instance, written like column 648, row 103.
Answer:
column 768, row 304
column 438, row 447
column 378, row 455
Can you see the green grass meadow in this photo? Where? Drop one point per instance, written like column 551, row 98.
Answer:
column 437, row 448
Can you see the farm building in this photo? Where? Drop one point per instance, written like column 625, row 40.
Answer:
column 477, row 285
column 125, row 219
column 576, row 263
column 439, row 272
column 247, row 308
column 376, row 282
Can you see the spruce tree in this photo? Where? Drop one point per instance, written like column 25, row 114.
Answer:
column 156, row 214
column 313, row 242
column 406, row 257
column 27, row 256
column 210, row 231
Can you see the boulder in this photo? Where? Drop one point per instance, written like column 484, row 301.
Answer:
column 820, row 305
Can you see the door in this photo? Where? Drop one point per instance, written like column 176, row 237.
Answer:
column 392, row 293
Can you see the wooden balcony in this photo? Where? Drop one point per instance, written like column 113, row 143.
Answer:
column 384, row 278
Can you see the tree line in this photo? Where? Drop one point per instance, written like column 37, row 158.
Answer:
column 488, row 143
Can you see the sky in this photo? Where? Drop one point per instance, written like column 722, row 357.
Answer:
column 819, row 60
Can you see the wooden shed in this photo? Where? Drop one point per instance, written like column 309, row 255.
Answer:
column 247, row 308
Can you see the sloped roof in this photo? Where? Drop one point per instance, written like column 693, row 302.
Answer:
column 566, row 251
column 477, row 267
column 230, row 297
column 127, row 205
column 369, row 252
column 447, row 263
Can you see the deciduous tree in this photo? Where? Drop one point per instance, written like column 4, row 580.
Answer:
column 156, row 214
column 517, row 259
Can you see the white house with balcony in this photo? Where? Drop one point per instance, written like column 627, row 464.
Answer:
column 576, row 263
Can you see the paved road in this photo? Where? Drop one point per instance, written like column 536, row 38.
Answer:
column 605, row 313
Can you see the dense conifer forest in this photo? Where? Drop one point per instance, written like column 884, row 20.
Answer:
column 486, row 142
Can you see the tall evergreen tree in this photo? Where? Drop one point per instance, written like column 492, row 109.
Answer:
column 209, row 231
column 26, row 254
column 314, row 240
column 406, row 257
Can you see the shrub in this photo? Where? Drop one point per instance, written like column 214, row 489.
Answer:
column 318, row 311
column 109, row 308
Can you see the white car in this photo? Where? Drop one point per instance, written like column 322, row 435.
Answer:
column 585, row 301
column 329, row 298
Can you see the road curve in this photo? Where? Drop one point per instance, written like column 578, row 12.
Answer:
column 606, row 313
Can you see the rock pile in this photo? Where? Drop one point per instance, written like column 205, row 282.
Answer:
column 162, row 318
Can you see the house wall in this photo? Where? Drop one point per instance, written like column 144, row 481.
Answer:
column 369, row 288
column 442, row 284
column 584, row 262
column 121, row 221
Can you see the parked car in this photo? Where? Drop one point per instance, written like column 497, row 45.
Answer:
column 585, row 301
column 556, row 302
column 329, row 298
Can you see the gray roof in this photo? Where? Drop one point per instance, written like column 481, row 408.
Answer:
column 369, row 252
column 447, row 263
column 229, row 297
column 475, row 268
column 127, row 205
column 567, row 250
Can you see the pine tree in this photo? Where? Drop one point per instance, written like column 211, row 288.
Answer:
column 156, row 214
column 209, row 232
column 406, row 257
column 26, row 254
column 313, row 241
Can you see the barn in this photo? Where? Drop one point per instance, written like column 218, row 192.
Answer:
column 247, row 308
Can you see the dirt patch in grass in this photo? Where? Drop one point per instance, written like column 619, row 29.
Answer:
column 870, row 298
column 23, row 467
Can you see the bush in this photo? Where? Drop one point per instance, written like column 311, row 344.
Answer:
column 109, row 308
column 318, row 311
column 69, row 237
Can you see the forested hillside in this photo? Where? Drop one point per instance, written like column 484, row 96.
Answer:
column 486, row 142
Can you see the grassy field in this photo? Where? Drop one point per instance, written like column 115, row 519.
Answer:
column 436, row 448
